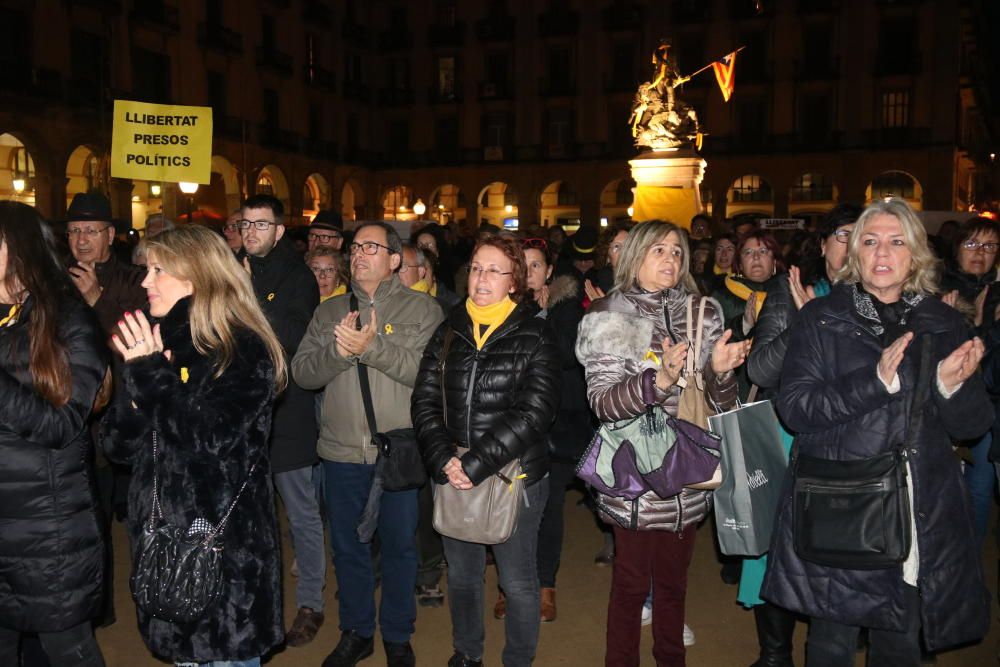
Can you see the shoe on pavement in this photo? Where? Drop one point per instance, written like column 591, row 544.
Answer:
column 304, row 628
column 295, row 567
column 351, row 649
column 548, row 605
column 606, row 556
column 459, row 660
column 647, row 614
column 500, row 608
column 688, row 636
column 399, row 655
column 430, row 596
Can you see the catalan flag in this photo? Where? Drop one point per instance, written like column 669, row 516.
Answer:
column 725, row 74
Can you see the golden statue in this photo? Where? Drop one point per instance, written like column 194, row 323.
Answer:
column 659, row 120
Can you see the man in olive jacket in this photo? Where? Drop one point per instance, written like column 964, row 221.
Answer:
column 388, row 335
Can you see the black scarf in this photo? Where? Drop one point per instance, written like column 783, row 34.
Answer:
column 887, row 320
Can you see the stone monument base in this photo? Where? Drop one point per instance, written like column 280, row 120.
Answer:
column 667, row 186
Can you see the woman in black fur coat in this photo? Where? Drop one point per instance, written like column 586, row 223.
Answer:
column 52, row 360
column 204, row 377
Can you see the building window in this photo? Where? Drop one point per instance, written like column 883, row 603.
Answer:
column 267, row 39
column 265, row 185
column 399, row 136
column 753, row 59
column 216, row 93
column 751, row 188
column 896, row 46
column 352, row 67
column 896, row 108
column 151, row 76
column 272, row 109
column 445, row 84
column 315, row 123
column 814, row 117
column 89, row 57
column 559, row 131
column 893, row 184
column 496, row 129
column 446, row 134
column 623, row 63
column 816, row 40
column 497, row 68
column 213, row 13
column 566, row 196
column 812, row 187
column 397, row 74
column 559, row 68
column 751, row 119
column 445, row 13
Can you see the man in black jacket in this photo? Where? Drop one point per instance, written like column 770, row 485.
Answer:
column 288, row 295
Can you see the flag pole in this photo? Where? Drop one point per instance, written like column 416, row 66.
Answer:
column 690, row 76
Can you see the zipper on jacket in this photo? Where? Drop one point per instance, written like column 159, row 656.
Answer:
column 633, row 521
column 680, row 516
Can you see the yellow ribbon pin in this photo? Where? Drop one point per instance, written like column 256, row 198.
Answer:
column 652, row 356
column 184, row 374
column 270, row 297
column 388, row 328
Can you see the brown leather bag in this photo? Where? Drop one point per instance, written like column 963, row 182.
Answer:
column 693, row 406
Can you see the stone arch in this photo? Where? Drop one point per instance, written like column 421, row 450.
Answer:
column 86, row 171
column 352, row 200
column 447, row 203
column 896, row 183
column 560, row 205
column 497, row 204
column 271, row 180
column 616, row 198
column 397, row 203
column 315, row 194
column 17, row 170
column 750, row 194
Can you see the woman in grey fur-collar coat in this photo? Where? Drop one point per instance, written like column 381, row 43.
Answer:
column 633, row 345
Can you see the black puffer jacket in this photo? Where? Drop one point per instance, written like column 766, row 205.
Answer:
column 832, row 398
column 211, row 430
column 288, row 294
column 501, row 400
column 51, row 550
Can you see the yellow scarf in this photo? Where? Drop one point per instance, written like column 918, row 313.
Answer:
column 491, row 317
column 744, row 292
column 422, row 286
column 340, row 289
column 11, row 316
column 717, row 270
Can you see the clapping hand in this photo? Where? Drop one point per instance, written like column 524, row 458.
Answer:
column 726, row 356
column 84, row 276
column 800, row 295
column 671, row 364
column 136, row 338
column 352, row 341
column 593, row 291
column 750, row 313
column 960, row 364
column 892, row 356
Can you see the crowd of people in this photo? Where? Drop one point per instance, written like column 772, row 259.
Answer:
column 201, row 375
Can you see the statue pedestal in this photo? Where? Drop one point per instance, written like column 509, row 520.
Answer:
column 667, row 186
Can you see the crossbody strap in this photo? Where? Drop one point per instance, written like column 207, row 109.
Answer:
column 366, row 390
column 924, row 381
column 449, row 335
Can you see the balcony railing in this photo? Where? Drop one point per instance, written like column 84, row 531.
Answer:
column 320, row 77
column 496, row 29
column 275, row 137
column 398, row 39
column 396, row 97
column 219, row 38
column 894, row 63
column 556, row 87
column 275, row 60
column 437, row 96
column 451, row 36
column 157, row 16
column 489, row 90
column 558, row 23
column 355, row 90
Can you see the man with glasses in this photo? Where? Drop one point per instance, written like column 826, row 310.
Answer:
column 288, row 294
column 232, row 233
column 326, row 229
column 387, row 334
column 109, row 286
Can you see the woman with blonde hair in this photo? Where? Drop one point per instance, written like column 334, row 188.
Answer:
column 194, row 417
column 882, row 368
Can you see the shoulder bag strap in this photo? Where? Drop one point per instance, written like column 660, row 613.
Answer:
column 366, row 390
column 449, row 334
column 690, row 363
column 922, row 390
column 157, row 513
column 225, row 519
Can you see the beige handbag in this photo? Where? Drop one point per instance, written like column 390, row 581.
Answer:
column 693, row 406
column 488, row 512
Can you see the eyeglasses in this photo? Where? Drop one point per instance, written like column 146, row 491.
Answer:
column 841, row 235
column 973, row 246
column 259, row 225
column 88, row 232
column 324, row 238
column 615, row 248
column 755, row 252
column 492, row 273
column 369, row 248
column 235, row 227
column 537, row 244
column 321, row 272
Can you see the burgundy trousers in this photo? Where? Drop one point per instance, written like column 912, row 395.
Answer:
column 656, row 557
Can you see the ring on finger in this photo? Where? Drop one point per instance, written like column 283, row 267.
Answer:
column 139, row 342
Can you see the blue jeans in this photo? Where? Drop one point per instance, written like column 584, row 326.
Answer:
column 517, row 570
column 252, row 662
column 347, row 486
column 298, row 493
column 980, row 478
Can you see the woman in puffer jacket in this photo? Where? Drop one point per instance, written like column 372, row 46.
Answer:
column 632, row 344
column 498, row 366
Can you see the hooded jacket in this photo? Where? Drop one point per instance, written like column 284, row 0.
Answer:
column 406, row 319
column 615, row 339
column 500, row 401
column 210, row 431
column 51, row 548
column 288, row 294
column 832, row 398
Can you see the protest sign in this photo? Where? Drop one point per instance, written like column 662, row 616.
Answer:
column 161, row 142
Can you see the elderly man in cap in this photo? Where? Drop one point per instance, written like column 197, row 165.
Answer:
column 326, row 229
column 109, row 286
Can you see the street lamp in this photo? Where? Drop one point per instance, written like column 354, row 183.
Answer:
column 189, row 189
column 19, row 184
column 419, row 208
column 154, row 190
column 630, row 211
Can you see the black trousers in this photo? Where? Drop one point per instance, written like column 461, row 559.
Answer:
column 833, row 644
column 74, row 647
column 430, row 550
column 550, row 532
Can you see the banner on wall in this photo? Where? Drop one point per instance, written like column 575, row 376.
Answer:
column 161, row 142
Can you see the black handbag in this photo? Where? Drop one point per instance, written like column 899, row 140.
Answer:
column 177, row 572
column 856, row 514
column 399, row 462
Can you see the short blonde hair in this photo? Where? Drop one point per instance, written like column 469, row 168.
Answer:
column 924, row 266
column 638, row 242
column 222, row 298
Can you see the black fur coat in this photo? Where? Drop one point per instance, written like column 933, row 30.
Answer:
column 210, row 431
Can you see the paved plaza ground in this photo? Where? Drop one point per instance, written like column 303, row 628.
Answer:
column 724, row 631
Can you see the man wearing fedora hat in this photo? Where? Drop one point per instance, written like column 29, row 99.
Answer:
column 109, row 286
column 326, row 229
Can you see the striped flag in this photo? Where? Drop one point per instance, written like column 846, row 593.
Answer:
column 725, row 74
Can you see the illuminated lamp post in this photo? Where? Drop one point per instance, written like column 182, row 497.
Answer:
column 419, row 208
column 189, row 189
